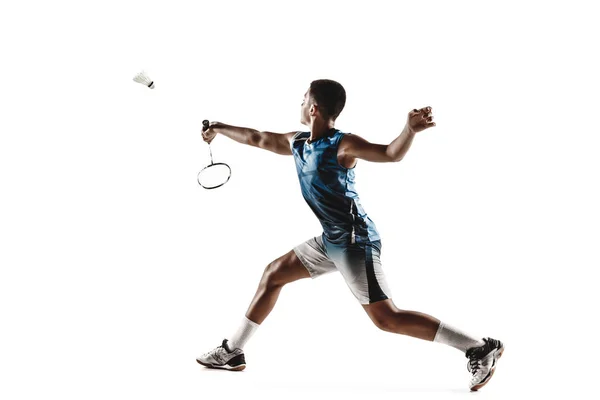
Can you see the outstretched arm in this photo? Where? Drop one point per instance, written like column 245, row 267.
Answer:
column 276, row 142
column 358, row 147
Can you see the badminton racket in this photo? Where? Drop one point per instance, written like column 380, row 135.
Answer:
column 216, row 174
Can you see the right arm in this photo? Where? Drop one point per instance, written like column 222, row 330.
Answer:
column 276, row 142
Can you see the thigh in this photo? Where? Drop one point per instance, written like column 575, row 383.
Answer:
column 313, row 256
column 360, row 265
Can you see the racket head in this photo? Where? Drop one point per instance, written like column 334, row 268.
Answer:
column 215, row 177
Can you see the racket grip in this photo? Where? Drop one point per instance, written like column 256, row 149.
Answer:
column 205, row 124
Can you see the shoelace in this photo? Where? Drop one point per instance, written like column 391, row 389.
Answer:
column 474, row 364
column 475, row 359
column 212, row 351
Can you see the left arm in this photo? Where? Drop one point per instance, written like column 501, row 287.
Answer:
column 401, row 144
column 357, row 147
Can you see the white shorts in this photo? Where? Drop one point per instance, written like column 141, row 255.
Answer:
column 358, row 263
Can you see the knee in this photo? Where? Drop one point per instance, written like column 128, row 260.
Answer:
column 385, row 322
column 273, row 275
column 390, row 320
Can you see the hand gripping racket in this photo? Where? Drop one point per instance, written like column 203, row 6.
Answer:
column 216, row 174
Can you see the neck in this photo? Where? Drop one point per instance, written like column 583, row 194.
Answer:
column 320, row 128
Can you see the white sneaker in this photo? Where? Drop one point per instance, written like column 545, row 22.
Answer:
column 224, row 358
column 482, row 362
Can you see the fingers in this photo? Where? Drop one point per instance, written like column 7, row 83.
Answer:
column 424, row 110
column 426, row 114
column 206, row 137
column 421, row 118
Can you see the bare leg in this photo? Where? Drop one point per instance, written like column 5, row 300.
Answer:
column 285, row 269
column 388, row 317
column 230, row 355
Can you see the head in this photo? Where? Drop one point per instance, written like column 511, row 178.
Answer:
column 324, row 99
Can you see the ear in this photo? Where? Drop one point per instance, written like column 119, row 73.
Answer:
column 313, row 110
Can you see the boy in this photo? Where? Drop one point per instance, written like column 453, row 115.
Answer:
column 350, row 243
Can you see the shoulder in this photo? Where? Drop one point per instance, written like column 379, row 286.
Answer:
column 292, row 136
column 353, row 144
column 295, row 135
column 344, row 139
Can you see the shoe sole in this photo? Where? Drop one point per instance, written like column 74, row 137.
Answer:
column 225, row 367
column 482, row 384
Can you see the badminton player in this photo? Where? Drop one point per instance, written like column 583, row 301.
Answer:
column 325, row 160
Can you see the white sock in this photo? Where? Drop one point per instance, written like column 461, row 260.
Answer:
column 450, row 336
column 241, row 336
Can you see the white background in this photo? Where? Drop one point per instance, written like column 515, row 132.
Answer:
column 118, row 269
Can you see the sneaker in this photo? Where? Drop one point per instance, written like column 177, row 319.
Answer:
column 224, row 358
column 482, row 362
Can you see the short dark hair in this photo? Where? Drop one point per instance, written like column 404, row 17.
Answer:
column 329, row 95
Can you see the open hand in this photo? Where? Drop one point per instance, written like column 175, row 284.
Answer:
column 419, row 120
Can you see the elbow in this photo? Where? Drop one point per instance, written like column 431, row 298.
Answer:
column 254, row 138
column 393, row 158
column 390, row 156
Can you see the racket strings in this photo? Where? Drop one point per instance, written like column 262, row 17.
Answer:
column 214, row 175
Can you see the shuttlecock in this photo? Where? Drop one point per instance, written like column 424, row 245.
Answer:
column 144, row 79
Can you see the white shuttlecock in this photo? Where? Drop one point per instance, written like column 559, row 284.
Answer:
column 144, row 80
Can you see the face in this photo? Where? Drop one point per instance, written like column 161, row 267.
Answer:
column 305, row 109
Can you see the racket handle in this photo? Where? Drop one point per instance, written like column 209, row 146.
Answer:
column 205, row 125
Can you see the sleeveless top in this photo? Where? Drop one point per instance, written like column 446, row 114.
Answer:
column 328, row 188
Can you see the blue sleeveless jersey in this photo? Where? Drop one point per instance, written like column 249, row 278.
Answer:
column 329, row 190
